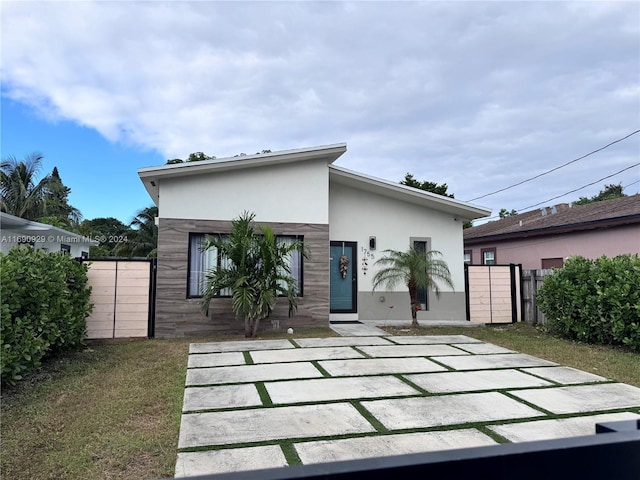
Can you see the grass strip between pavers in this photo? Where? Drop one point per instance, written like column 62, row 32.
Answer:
column 247, row 358
column 290, row 453
column 369, row 417
column 324, row 373
column 264, row 394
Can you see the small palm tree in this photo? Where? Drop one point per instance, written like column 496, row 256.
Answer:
column 255, row 268
column 416, row 269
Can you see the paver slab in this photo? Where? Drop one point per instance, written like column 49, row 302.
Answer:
column 239, row 346
column 327, row 389
column 341, row 341
column 250, row 373
column 482, row 348
column 263, row 424
column 226, row 396
column 432, row 339
column 381, row 446
column 503, row 360
column 565, row 375
column 358, row 329
column 583, row 398
column 215, row 359
column 411, row 350
column 471, row 381
column 191, row 464
column 302, row 354
column 373, row 366
column 422, row 412
column 558, row 428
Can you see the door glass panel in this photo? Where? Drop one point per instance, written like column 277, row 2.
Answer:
column 421, row 247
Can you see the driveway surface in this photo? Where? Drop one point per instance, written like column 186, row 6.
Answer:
column 270, row 403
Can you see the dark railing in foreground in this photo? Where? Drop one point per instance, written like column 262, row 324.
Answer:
column 612, row 454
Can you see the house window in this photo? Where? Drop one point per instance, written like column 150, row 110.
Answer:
column 489, row 256
column 552, row 263
column 66, row 249
column 84, row 255
column 422, row 246
column 467, row 257
column 201, row 261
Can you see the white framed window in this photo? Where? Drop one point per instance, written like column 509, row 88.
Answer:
column 489, row 256
column 201, row 261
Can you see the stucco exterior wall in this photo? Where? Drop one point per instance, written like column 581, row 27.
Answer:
column 356, row 215
column 590, row 244
column 291, row 193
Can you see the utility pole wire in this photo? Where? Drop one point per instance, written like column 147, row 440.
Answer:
column 554, row 169
column 584, row 186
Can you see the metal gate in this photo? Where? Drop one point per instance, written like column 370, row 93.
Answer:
column 494, row 293
column 123, row 298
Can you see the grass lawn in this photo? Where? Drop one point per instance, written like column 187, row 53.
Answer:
column 113, row 410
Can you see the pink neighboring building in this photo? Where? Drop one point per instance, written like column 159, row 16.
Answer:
column 544, row 238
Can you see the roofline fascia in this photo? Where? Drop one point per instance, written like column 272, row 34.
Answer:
column 227, row 163
column 557, row 229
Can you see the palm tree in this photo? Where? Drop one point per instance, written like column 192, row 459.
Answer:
column 255, row 268
column 416, row 269
column 143, row 240
column 21, row 195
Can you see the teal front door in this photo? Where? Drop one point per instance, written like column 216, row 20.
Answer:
column 343, row 278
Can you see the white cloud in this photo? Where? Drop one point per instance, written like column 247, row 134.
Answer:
column 477, row 95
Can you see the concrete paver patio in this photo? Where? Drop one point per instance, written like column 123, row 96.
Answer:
column 272, row 403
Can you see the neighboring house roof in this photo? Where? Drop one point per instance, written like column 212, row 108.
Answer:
column 561, row 218
column 11, row 222
column 151, row 177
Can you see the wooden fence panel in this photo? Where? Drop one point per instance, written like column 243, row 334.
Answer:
column 532, row 280
column 120, row 294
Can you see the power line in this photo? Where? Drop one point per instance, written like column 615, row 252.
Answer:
column 580, row 188
column 572, row 191
column 554, row 169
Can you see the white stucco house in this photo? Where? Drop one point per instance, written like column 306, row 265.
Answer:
column 334, row 211
column 19, row 231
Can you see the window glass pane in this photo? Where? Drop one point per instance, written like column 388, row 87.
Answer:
column 295, row 262
column 467, row 258
column 489, row 257
column 199, row 263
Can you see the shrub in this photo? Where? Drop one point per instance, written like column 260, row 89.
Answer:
column 595, row 301
column 45, row 301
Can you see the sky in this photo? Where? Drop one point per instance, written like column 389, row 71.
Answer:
column 477, row 95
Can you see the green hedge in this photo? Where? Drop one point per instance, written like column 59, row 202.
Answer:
column 594, row 301
column 44, row 304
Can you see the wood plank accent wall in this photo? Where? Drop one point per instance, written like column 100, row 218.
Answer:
column 179, row 316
